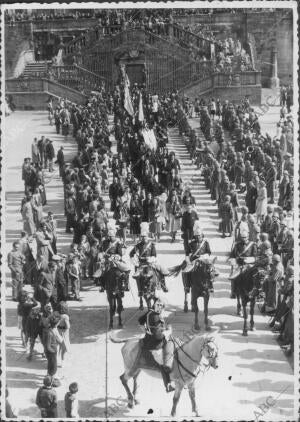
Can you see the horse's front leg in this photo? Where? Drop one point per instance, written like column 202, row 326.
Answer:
column 124, row 379
column 206, row 300
column 239, row 307
column 192, row 395
column 119, row 311
column 245, row 316
column 112, row 310
column 135, row 388
column 252, row 306
column 196, row 313
column 176, row 397
column 186, row 292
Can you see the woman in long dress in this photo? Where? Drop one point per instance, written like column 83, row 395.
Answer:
column 64, row 331
column 261, row 201
column 27, row 215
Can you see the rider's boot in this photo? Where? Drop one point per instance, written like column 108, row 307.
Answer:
column 163, row 285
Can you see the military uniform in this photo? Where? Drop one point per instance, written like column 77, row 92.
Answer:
column 155, row 339
column 196, row 250
column 239, row 252
column 143, row 252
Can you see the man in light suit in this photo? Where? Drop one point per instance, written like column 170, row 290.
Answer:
column 51, row 225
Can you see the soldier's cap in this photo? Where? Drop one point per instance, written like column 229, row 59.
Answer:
column 276, row 258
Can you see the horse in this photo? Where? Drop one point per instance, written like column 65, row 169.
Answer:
column 190, row 358
column 199, row 281
column 148, row 282
column 247, row 286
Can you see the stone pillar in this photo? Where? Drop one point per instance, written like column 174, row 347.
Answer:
column 274, row 78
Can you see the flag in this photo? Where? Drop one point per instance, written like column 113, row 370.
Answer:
column 141, row 111
column 127, row 101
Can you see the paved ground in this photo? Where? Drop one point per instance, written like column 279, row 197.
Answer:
column 251, row 369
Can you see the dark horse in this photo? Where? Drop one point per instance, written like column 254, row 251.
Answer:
column 247, row 286
column 148, row 281
column 199, row 281
column 115, row 283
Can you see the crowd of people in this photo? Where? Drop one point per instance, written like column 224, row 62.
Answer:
column 144, row 186
column 239, row 162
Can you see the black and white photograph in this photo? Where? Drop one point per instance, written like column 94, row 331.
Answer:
column 149, row 219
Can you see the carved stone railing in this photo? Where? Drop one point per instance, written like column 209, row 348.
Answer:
column 77, row 78
column 27, row 86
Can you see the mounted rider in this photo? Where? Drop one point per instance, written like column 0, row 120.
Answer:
column 199, row 250
column 112, row 252
column 145, row 254
column 158, row 338
column 244, row 253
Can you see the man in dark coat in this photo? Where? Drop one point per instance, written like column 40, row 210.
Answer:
column 60, row 160
column 187, row 223
column 49, row 154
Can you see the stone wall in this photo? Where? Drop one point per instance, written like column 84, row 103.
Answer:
column 17, row 43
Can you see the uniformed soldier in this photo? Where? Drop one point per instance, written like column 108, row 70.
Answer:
column 157, row 337
column 16, row 261
column 243, row 251
column 145, row 253
column 199, row 247
column 112, row 249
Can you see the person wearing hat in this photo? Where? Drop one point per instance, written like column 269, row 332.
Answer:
column 71, row 401
column 267, row 221
column 273, row 284
column 145, row 253
column 187, row 223
column 226, row 214
column 51, row 226
column 271, row 177
column 46, row 399
column 60, row 160
column 286, row 249
column 157, row 337
column 286, row 293
column 274, row 231
column 284, row 190
column 16, row 261
column 241, row 250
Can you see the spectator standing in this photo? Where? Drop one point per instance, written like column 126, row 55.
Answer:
column 49, row 154
column 16, row 261
column 71, row 401
column 64, row 331
column 51, row 340
column 46, row 399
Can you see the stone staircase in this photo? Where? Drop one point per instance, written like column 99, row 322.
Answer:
column 205, row 207
column 35, row 69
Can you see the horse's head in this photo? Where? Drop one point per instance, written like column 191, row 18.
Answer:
column 210, row 353
column 208, row 267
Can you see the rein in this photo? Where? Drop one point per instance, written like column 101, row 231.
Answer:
column 180, row 364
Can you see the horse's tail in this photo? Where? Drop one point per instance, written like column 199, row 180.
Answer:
column 174, row 271
column 120, row 340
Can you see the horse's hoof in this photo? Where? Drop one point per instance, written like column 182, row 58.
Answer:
column 185, row 309
column 239, row 312
column 141, row 308
column 197, row 327
column 130, row 405
column 137, row 401
column 252, row 328
column 245, row 333
column 207, row 328
column 195, row 414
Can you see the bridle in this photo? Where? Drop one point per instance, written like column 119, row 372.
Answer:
column 199, row 364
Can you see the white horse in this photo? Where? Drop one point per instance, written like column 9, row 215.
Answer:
column 190, row 358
